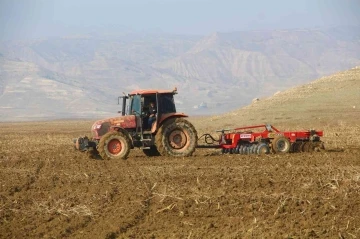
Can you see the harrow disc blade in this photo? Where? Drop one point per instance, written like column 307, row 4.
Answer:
column 296, row 147
column 241, row 150
column 237, row 149
column 254, row 149
column 263, row 149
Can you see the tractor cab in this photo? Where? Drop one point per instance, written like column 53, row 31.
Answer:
column 138, row 102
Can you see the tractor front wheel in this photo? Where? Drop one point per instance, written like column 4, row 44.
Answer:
column 114, row 145
column 176, row 137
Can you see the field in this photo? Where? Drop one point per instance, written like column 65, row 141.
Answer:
column 49, row 190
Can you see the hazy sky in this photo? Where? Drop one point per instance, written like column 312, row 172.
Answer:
column 42, row 18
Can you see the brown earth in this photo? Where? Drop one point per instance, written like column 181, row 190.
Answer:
column 49, row 190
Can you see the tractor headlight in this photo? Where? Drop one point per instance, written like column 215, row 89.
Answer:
column 97, row 126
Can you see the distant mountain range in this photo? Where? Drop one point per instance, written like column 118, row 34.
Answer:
column 82, row 76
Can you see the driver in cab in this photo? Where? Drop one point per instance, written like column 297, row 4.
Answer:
column 152, row 114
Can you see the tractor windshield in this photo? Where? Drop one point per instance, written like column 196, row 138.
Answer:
column 135, row 107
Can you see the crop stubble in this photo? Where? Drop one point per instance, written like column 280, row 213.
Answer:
column 48, row 190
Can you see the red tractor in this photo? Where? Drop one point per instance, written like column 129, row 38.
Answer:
column 169, row 134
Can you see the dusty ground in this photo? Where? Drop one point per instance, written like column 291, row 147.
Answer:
column 48, row 190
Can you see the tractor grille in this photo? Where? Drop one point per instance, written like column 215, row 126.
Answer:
column 104, row 129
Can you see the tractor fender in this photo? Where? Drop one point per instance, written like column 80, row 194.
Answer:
column 124, row 131
column 167, row 116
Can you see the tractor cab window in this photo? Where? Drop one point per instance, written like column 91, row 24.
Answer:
column 166, row 103
column 135, row 105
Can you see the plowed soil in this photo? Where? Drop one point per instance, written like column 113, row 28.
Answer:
column 49, row 190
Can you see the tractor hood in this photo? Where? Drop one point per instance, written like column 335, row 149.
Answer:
column 101, row 127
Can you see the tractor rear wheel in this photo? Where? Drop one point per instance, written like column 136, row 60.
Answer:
column 151, row 152
column 281, row 144
column 114, row 145
column 176, row 137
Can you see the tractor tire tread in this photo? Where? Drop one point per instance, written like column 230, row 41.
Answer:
column 126, row 144
column 171, row 124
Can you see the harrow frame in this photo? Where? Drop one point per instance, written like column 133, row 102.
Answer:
column 243, row 140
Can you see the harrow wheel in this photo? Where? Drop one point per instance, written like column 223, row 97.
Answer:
column 114, row 145
column 281, row 144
